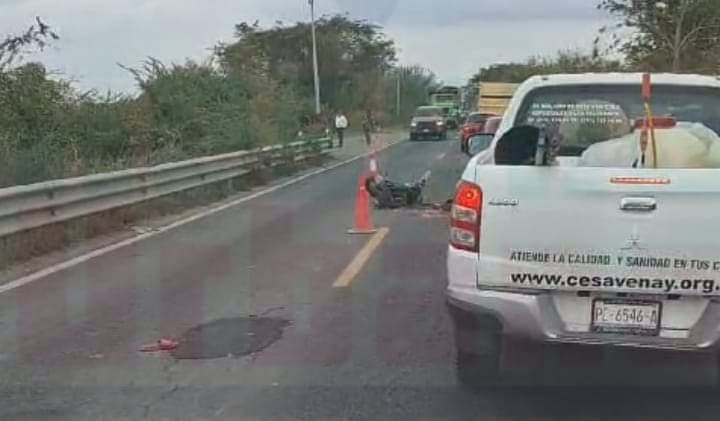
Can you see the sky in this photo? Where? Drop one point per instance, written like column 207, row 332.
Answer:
column 453, row 38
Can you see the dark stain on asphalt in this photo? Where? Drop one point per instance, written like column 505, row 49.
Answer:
column 225, row 338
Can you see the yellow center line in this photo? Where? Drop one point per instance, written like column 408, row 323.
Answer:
column 361, row 259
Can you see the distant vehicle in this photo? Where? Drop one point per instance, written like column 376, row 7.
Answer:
column 575, row 230
column 449, row 98
column 494, row 97
column 428, row 122
column 478, row 142
column 475, row 123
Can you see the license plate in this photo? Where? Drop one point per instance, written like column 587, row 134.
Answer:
column 426, row 130
column 626, row 317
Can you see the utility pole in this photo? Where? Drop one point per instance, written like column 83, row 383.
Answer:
column 397, row 106
column 316, row 74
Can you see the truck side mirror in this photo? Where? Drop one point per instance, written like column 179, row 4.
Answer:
column 479, row 143
column 518, row 146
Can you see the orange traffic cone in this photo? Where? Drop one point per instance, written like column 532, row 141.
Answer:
column 363, row 215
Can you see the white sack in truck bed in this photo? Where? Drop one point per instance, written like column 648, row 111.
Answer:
column 689, row 145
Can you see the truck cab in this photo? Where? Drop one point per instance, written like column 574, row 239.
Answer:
column 448, row 98
column 590, row 220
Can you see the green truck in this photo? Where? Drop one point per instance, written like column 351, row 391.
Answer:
column 449, row 98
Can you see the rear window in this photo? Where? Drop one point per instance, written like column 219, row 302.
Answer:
column 477, row 118
column 603, row 117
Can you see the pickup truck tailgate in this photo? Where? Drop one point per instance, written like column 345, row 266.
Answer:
column 600, row 229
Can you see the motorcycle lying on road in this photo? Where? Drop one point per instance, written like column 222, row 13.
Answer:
column 392, row 195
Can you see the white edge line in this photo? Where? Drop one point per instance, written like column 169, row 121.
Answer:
column 108, row 249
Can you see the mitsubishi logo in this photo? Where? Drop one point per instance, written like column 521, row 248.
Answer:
column 634, row 243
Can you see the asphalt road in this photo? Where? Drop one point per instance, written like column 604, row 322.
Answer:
column 263, row 334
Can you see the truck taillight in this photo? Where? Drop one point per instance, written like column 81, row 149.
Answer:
column 466, row 216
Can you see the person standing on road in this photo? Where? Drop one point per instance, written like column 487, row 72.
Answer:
column 341, row 123
column 368, row 127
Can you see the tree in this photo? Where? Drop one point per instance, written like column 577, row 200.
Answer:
column 36, row 36
column 416, row 83
column 562, row 62
column 673, row 35
column 353, row 57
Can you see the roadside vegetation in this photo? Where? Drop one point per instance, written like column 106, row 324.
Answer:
column 257, row 90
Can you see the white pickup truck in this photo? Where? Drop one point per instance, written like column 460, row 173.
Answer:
column 591, row 244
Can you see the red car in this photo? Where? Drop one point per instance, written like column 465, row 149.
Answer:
column 491, row 125
column 474, row 124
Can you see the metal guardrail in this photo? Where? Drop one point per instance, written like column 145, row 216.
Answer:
column 32, row 206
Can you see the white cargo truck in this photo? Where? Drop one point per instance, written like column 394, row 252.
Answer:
column 592, row 219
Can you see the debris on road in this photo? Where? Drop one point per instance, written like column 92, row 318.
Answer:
column 431, row 210
column 162, row 345
column 445, row 206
